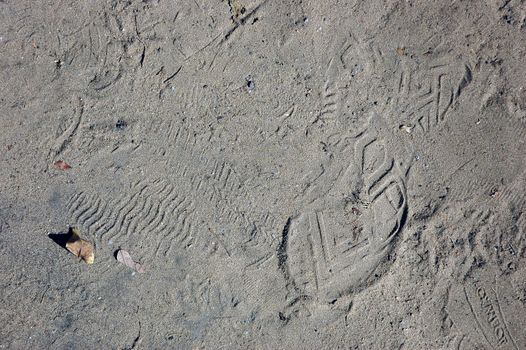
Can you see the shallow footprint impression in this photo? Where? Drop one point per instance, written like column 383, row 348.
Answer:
column 263, row 174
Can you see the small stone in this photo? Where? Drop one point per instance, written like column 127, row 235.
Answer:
column 250, row 84
column 121, row 124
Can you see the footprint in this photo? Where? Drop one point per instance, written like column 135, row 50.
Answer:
column 342, row 245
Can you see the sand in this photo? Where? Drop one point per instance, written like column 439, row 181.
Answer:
column 289, row 174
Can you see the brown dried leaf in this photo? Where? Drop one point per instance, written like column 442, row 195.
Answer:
column 125, row 258
column 80, row 247
column 400, row 51
column 61, row 165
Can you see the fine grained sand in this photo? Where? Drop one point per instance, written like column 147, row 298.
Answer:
column 291, row 174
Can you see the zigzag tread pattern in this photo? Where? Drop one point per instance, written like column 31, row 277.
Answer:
column 214, row 180
column 166, row 209
column 155, row 210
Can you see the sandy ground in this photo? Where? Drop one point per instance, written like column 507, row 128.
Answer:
column 290, row 174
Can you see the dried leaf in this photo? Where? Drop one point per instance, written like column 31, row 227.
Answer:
column 80, row 247
column 62, row 165
column 125, row 258
column 400, row 51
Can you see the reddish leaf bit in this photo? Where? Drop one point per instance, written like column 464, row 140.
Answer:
column 62, row 165
column 125, row 258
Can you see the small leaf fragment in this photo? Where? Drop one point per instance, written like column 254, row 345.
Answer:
column 125, row 258
column 408, row 129
column 61, row 165
column 80, row 247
